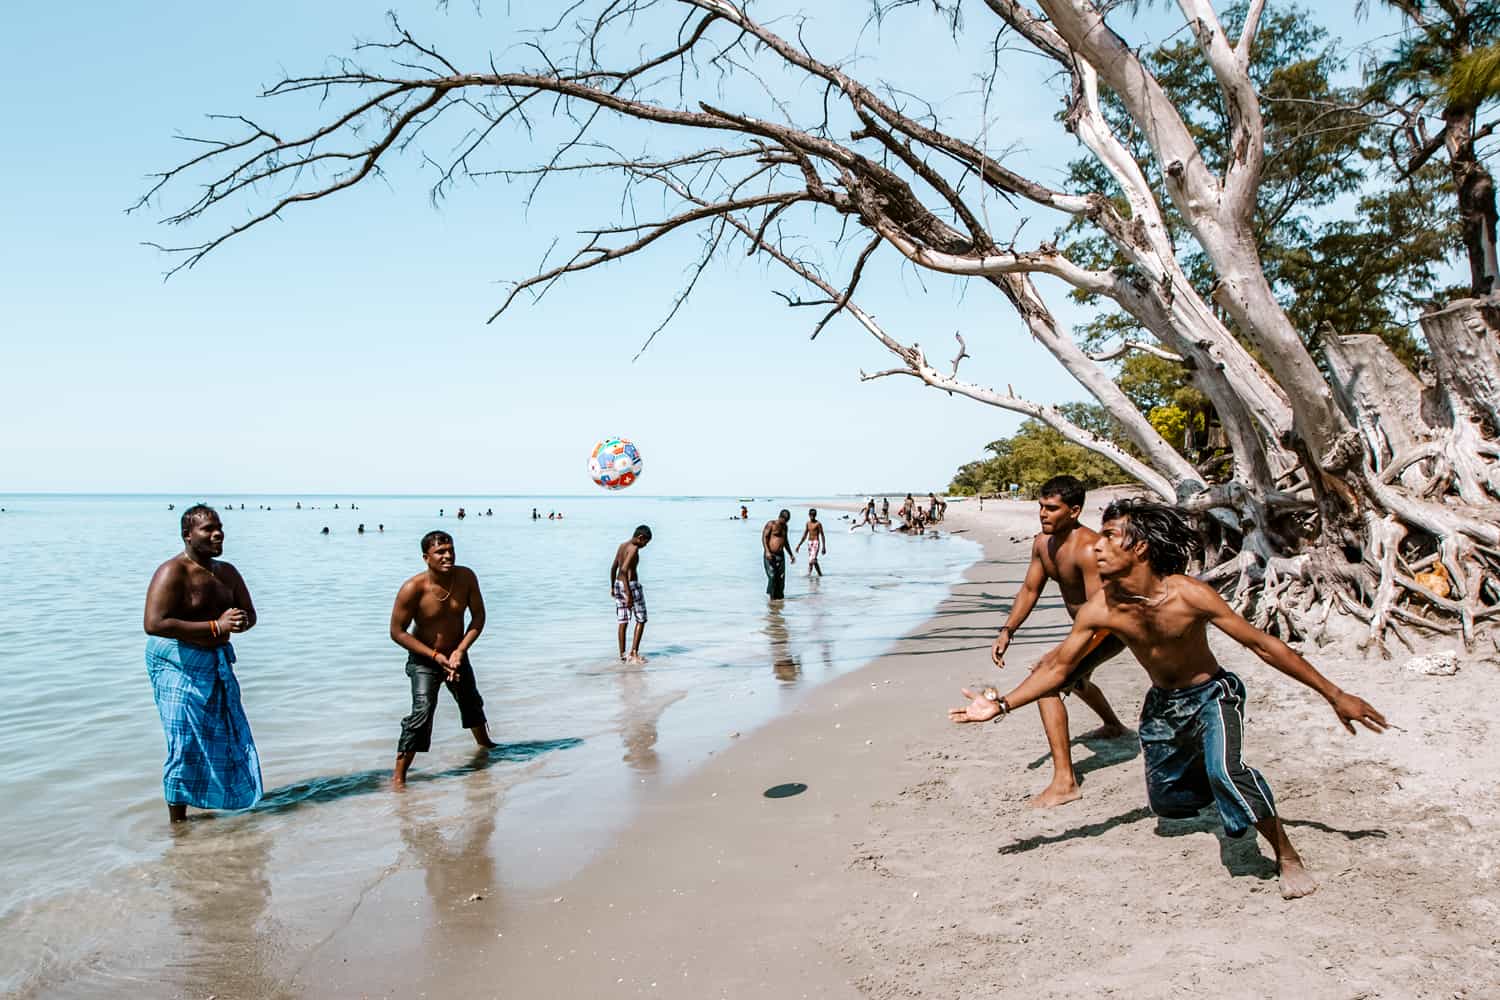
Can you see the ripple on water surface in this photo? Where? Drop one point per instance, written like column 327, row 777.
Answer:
column 99, row 897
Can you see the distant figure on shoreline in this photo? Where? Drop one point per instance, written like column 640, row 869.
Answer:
column 625, row 588
column 816, row 544
column 193, row 604
column 1063, row 551
column 324, row 531
column 361, row 529
column 744, row 513
column 431, row 605
column 534, row 515
column 1192, row 724
column 885, row 510
column 380, row 527
column 773, row 543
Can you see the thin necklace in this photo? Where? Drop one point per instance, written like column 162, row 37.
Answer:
column 1149, row 602
column 446, row 594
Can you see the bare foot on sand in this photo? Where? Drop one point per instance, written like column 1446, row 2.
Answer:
column 635, row 658
column 482, row 737
column 1055, row 795
column 1295, row 880
column 1106, row 733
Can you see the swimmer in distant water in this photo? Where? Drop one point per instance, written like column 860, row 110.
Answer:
column 428, row 622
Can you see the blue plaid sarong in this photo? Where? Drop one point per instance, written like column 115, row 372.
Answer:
column 211, row 758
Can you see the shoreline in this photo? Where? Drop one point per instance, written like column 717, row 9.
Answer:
column 911, row 867
column 713, row 889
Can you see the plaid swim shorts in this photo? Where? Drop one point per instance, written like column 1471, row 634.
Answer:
column 636, row 605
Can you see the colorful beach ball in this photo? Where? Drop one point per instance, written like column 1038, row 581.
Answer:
column 615, row 463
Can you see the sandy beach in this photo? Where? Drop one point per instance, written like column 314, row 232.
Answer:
column 910, row 865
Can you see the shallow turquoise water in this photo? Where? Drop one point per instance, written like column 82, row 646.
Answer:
column 95, row 893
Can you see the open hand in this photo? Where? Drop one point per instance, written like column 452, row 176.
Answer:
column 979, row 709
column 1352, row 709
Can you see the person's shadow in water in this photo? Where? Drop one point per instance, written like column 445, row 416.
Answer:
column 640, row 716
column 331, row 788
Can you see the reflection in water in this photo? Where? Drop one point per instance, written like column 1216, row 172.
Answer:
column 460, row 865
column 221, row 896
column 786, row 667
column 640, row 716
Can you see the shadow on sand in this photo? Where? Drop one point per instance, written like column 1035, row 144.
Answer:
column 342, row 786
column 1241, row 856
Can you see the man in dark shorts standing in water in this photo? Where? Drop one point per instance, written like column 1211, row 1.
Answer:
column 625, row 588
column 817, row 542
column 1064, row 552
column 432, row 605
column 1192, row 723
column 193, row 605
column 773, row 542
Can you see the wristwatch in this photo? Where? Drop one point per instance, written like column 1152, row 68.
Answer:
column 990, row 694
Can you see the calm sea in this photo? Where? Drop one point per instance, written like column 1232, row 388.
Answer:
column 98, row 897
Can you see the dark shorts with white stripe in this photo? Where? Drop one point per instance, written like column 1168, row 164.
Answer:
column 1191, row 739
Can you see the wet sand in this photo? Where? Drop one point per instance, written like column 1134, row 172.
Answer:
column 910, row 866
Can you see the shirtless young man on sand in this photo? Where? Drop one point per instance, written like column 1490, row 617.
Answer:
column 1064, row 552
column 1193, row 718
column 432, row 605
column 817, row 542
column 773, row 542
column 625, row 588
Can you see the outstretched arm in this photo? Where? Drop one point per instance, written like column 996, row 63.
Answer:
column 1349, row 708
column 1045, row 679
column 1026, row 597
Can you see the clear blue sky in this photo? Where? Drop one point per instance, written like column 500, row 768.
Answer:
column 344, row 348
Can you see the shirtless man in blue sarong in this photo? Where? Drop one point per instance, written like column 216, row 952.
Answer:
column 431, row 605
column 193, row 605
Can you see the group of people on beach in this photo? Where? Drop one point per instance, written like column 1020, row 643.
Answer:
column 196, row 603
column 1125, row 587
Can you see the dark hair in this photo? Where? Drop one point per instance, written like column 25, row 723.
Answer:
column 641, row 531
column 1066, row 488
column 785, row 514
column 812, row 512
column 435, row 538
column 1169, row 537
column 198, row 511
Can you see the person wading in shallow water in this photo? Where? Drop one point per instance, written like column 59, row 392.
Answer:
column 432, row 605
column 773, row 542
column 193, row 605
column 625, row 588
column 1064, row 551
column 1192, row 722
column 817, row 542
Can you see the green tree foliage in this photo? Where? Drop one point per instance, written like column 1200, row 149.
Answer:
column 1035, row 453
column 1432, row 86
column 1369, row 272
